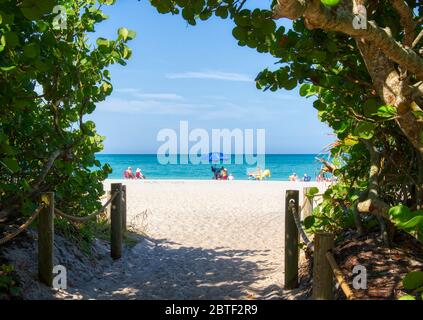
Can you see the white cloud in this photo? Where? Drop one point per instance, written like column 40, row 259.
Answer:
column 155, row 96
column 159, row 96
column 211, row 75
column 127, row 90
column 151, row 106
column 134, row 101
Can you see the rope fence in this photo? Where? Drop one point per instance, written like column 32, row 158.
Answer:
column 292, row 208
column 89, row 217
column 45, row 214
column 23, row 227
column 325, row 267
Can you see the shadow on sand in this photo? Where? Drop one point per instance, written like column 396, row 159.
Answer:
column 161, row 269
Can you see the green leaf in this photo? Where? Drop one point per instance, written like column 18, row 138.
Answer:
column 12, row 39
column 386, row 111
column 107, row 2
column 407, row 297
column 365, row 130
column 305, row 90
column 7, row 18
column 127, row 52
column 413, row 222
column 309, row 222
column 268, row 26
column 290, row 84
column 413, row 280
column 400, row 213
column 330, row 3
column 240, row 33
column 35, row 9
column 312, row 192
column 102, row 42
column 132, row 34
column 2, row 43
column 222, row 12
column 31, row 50
column 242, row 20
column 11, row 164
column 371, row 107
column 418, row 114
column 350, row 141
column 106, row 87
column 42, row 26
column 123, row 33
column 7, row 68
column 318, row 105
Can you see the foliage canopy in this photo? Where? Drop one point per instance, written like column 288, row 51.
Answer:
column 51, row 77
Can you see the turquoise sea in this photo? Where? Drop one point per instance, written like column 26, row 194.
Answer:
column 280, row 166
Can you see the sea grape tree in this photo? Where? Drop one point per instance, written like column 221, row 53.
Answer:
column 52, row 74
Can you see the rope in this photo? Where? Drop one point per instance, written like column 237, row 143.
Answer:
column 306, row 240
column 22, row 227
column 86, row 218
column 339, row 276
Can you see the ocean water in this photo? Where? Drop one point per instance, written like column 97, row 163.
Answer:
column 280, row 166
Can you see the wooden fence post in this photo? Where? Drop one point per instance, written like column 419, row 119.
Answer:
column 116, row 222
column 322, row 272
column 291, row 241
column 124, row 208
column 308, row 204
column 46, row 239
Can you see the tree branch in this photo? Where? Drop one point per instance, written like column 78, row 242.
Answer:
column 46, row 168
column 406, row 19
column 393, row 91
column 329, row 166
column 418, row 38
column 319, row 17
column 373, row 204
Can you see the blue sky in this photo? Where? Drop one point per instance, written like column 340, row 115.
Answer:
column 199, row 74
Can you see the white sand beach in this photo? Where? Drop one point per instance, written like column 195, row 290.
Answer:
column 208, row 239
column 204, row 240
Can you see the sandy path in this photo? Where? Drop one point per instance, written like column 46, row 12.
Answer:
column 207, row 240
column 224, row 240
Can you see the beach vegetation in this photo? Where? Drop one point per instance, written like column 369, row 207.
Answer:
column 52, row 75
column 9, row 286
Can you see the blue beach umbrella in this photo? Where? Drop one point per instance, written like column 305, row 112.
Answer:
column 215, row 157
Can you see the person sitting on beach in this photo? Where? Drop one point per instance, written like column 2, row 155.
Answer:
column 293, row 177
column 138, row 174
column 128, row 173
column 255, row 174
column 223, row 174
column 216, row 172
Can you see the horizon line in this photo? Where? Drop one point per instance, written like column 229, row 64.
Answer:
column 232, row 154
